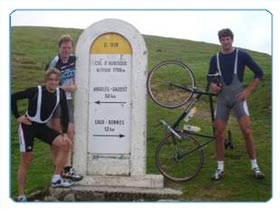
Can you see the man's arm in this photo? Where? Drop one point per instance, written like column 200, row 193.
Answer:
column 247, row 91
column 25, row 94
column 69, row 88
column 213, row 75
column 253, row 66
column 258, row 75
column 19, row 96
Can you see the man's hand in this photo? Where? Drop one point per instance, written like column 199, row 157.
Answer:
column 66, row 139
column 70, row 87
column 243, row 94
column 24, row 120
column 215, row 88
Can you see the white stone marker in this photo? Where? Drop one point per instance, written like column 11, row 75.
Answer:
column 110, row 107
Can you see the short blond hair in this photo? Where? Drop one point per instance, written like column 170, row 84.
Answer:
column 52, row 71
column 65, row 38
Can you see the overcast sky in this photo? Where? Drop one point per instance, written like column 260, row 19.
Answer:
column 252, row 28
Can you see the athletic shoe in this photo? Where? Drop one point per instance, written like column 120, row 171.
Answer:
column 257, row 173
column 61, row 183
column 72, row 175
column 21, row 198
column 217, row 175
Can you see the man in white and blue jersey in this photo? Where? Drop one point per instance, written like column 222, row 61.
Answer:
column 65, row 61
column 225, row 76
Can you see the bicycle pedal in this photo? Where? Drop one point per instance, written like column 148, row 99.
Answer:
column 229, row 145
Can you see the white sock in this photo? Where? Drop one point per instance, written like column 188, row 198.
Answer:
column 254, row 164
column 220, row 165
column 55, row 177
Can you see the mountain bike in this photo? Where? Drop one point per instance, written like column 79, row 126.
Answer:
column 180, row 156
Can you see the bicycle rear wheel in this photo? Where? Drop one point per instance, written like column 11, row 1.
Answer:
column 179, row 160
column 166, row 83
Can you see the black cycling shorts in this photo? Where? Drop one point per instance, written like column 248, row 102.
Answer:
column 27, row 133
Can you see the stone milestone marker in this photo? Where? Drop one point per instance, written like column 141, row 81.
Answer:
column 110, row 107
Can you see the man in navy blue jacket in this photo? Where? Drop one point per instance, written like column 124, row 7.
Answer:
column 225, row 77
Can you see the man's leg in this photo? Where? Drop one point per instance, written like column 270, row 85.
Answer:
column 63, row 148
column 69, row 171
column 220, row 127
column 245, row 126
column 63, row 145
column 70, row 133
column 26, row 158
column 54, row 124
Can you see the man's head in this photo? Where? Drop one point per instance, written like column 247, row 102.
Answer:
column 225, row 33
column 226, row 40
column 52, row 78
column 65, row 45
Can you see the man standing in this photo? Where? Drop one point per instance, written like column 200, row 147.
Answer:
column 225, row 77
column 65, row 61
column 42, row 101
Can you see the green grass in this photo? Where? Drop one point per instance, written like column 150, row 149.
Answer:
column 32, row 47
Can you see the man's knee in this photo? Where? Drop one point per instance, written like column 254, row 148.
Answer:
column 245, row 125
column 62, row 144
column 219, row 134
column 246, row 130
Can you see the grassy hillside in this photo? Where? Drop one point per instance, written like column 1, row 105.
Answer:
column 31, row 49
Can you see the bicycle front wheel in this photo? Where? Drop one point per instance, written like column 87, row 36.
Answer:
column 166, row 83
column 179, row 160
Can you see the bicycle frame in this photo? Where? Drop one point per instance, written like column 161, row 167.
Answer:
column 194, row 100
column 198, row 93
